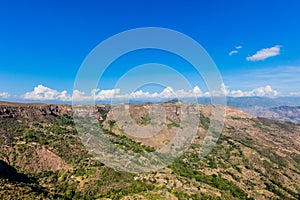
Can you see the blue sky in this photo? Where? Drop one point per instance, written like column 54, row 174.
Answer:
column 43, row 43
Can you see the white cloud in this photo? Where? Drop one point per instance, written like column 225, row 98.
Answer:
column 140, row 95
column 261, row 91
column 264, row 53
column 168, row 92
column 294, row 93
column 197, row 91
column 4, row 95
column 232, row 52
column 98, row 94
column 80, row 96
column 224, row 89
column 235, row 51
column 41, row 92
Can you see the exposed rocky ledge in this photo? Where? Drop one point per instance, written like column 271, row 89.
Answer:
column 32, row 110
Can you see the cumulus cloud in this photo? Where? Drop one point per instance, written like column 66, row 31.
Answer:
column 261, row 91
column 239, row 47
column 43, row 93
column 4, row 95
column 166, row 93
column 80, row 96
column 98, row 94
column 140, row 94
column 265, row 53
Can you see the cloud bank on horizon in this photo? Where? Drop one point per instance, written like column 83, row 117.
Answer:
column 4, row 95
column 43, row 93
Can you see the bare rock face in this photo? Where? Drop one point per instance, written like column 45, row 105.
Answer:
column 41, row 159
column 33, row 111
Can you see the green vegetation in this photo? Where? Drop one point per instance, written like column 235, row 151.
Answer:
column 126, row 143
column 183, row 169
column 173, row 124
column 204, row 121
column 135, row 187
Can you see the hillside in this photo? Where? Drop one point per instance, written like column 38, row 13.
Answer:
column 42, row 156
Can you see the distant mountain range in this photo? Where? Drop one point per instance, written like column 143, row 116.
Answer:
column 282, row 108
column 262, row 102
column 282, row 113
